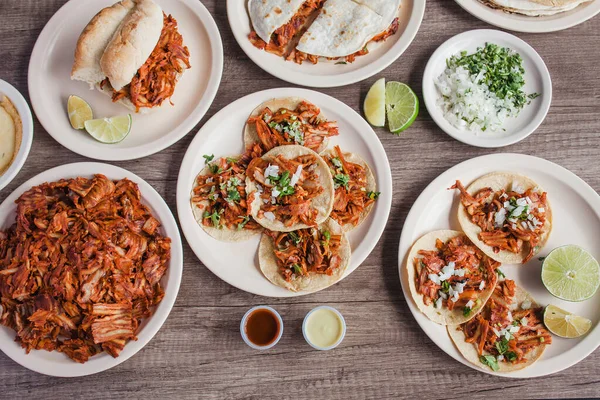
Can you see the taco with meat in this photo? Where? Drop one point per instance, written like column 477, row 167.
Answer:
column 289, row 121
column 506, row 215
column 308, row 259
column 219, row 198
column 508, row 333
column 355, row 187
column 289, row 188
column 450, row 279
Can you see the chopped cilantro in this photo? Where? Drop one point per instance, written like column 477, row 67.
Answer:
column 373, row 195
column 445, row 286
column 466, row 311
column 500, row 273
column 231, row 160
column 502, row 345
column 341, row 180
column 214, row 217
column 233, row 195
column 295, row 238
column 245, row 220
column 490, row 361
column 214, row 168
column 208, row 158
column 510, row 356
column 297, row 269
column 336, row 162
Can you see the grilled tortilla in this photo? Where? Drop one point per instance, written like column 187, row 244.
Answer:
column 534, row 8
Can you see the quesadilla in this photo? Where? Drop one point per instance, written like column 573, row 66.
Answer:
column 507, row 335
column 506, row 215
column 535, row 8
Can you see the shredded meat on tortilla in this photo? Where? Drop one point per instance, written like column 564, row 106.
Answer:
column 302, row 126
column 506, row 333
column 155, row 81
column 452, row 275
column 286, row 189
column 224, row 188
column 508, row 218
column 351, row 195
column 81, row 267
column 306, row 251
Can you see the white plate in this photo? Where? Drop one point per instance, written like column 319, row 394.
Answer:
column 50, row 84
column 6, row 89
column 58, row 364
column 236, row 263
column 328, row 74
column 576, row 220
column 537, row 80
column 524, row 23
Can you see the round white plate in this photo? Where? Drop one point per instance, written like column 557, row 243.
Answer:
column 236, row 263
column 537, row 80
column 576, row 220
column 6, row 89
column 524, row 23
column 58, row 364
column 50, row 84
column 329, row 74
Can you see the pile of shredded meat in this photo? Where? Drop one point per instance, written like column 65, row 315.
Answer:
column 155, row 81
column 81, row 267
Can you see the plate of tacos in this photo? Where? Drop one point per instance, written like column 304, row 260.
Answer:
column 533, row 16
column 324, row 43
column 470, row 258
column 284, row 192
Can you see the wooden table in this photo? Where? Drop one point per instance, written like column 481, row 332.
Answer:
column 198, row 353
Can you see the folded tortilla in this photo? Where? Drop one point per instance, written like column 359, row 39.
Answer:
column 268, row 15
column 535, row 8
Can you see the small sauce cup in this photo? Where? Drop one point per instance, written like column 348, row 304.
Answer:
column 324, row 328
column 261, row 327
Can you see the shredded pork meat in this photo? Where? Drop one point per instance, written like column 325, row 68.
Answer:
column 81, row 267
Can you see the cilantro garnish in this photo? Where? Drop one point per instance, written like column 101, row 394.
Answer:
column 502, row 345
column 214, row 217
column 467, row 311
column 295, row 238
column 233, row 195
column 373, row 195
column 500, row 273
column 208, row 158
column 231, row 160
column 445, row 286
column 297, row 269
column 490, row 361
column 336, row 162
column 245, row 220
column 341, row 180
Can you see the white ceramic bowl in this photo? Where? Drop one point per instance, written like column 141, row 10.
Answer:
column 537, row 80
column 22, row 107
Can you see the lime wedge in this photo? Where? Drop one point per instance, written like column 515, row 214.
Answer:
column 571, row 273
column 401, row 105
column 564, row 324
column 109, row 130
column 374, row 105
column 79, row 111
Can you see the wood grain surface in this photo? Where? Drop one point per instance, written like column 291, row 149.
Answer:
column 198, row 353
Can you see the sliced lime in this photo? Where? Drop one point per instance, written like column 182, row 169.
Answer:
column 79, row 111
column 109, row 130
column 571, row 273
column 374, row 105
column 401, row 105
column 564, row 324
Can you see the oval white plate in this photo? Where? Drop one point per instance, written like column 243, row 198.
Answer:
column 524, row 23
column 6, row 89
column 537, row 80
column 236, row 263
column 328, row 74
column 576, row 220
column 50, row 84
column 58, row 364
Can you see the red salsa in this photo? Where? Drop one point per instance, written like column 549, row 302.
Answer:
column 262, row 327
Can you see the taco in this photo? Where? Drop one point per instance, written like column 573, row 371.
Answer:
column 534, row 8
column 506, row 215
column 450, row 279
column 507, row 335
column 307, row 259
column 219, row 201
column 355, row 187
column 289, row 121
column 289, row 188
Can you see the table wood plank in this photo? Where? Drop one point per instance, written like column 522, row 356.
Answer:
column 198, row 352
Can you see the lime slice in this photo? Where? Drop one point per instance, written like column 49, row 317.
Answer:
column 109, row 130
column 571, row 273
column 374, row 105
column 564, row 324
column 401, row 105
column 79, row 111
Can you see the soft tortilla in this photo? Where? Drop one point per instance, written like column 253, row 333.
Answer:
column 498, row 181
column 323, row 203
column 250, row 133
column 469, row 350
column 311, row 283
column 534, row 8
column 371, row 184
column 14, row 128
column 441, row 316
column 269, row 15
column 224, row 234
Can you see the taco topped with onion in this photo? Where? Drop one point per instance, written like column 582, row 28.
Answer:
column 450, row 279
column 355, row 187
column 506, row 215
column 219, row 201
column 289, row 121
column 307, row 259
column 289, row 188
column 508, row 333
